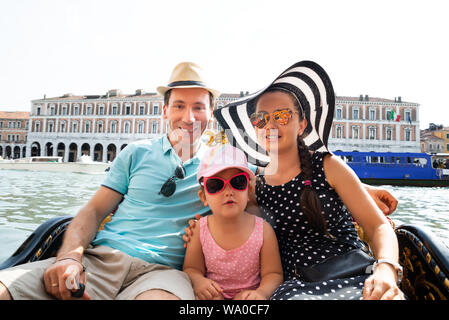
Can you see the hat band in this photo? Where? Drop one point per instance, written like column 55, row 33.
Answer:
column 186, row 83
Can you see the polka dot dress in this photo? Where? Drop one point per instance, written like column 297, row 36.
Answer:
column 301, row 245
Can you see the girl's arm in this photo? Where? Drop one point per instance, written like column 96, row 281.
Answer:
column 365, row 211
column 195, row 268
column 270, row 262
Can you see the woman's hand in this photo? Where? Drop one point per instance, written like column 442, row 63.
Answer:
column 188, row 231
column 382, row 285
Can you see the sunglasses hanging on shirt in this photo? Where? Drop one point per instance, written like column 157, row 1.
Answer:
column 169, row 187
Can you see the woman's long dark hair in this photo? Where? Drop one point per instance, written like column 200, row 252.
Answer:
column 310, row 203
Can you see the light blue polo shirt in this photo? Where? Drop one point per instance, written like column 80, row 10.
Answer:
column 148, row 225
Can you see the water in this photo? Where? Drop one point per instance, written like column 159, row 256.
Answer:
column 27, row 199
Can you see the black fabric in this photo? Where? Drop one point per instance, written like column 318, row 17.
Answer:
column 301, row 245
column 352, row 263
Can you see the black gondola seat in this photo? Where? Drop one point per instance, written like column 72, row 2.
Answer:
column 424, row 257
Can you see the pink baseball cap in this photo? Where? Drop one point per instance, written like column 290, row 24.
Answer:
column 222, row 157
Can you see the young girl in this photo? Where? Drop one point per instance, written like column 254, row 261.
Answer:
column 308, row 197
column 232, row 254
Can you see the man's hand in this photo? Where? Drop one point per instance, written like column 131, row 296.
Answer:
column 188, row 231
column 61, row 273
column 383, row 198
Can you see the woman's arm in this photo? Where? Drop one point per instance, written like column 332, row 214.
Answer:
column 365, row 211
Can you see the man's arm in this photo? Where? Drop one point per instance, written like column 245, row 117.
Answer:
column 78, row 236
column 84, row 226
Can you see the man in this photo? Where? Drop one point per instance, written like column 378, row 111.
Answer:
column 140, row 252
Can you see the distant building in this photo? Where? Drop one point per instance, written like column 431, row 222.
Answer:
column 96, row 125
column 375, row 124
column 435, row 139
column 13, row 134
column 102, row 125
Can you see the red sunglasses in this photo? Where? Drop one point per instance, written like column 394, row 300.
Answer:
column 238, row 182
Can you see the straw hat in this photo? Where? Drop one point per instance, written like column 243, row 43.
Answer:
column 312, row 87
column 187, row 75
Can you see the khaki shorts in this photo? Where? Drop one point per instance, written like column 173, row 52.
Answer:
column 111, row 274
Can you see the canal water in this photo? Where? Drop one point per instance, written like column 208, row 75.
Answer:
column 28, row 198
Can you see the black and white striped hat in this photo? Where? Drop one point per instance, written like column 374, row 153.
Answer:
column 310, row 84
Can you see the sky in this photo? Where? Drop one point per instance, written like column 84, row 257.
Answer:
column 378, row 48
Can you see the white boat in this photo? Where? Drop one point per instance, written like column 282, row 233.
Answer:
column 84, row 165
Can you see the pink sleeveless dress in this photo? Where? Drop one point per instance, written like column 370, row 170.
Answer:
column 237, row 269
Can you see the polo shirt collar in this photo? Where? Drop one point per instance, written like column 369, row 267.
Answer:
column 166, row 146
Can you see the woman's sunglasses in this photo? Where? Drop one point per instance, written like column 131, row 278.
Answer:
column 238, row 182
column 169, row 187
column 261, row 118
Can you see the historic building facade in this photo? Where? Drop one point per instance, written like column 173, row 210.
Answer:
column 435, row 139
column 102, row 125
column 375, row 124
column 13, row 134
column 98, row 126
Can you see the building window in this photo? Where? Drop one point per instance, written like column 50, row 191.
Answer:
column 355, row 114
column 141, row 110
column 372, row 133
column 127, row 125
column 38, row 111
column 89, row 109
column 140, row 127
column 114, row 109
column 389, row 133
column 408, row 135
column 127, row 109
column 100, row 127
column 339, row 132
column 114, row 127
column 101, row 110
column 154, row 127
column 156, row 109
column 355, row 132
column 52, row 110
column 76, row 110
column 87, row 127
column 390, row 114
column 50, row 127
column 63, row 126
column 339, row 114
column 447, row 146
column 372, row 114
column 37, row 126
column 64, row 109
column 408, row 115
column 75, row 126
